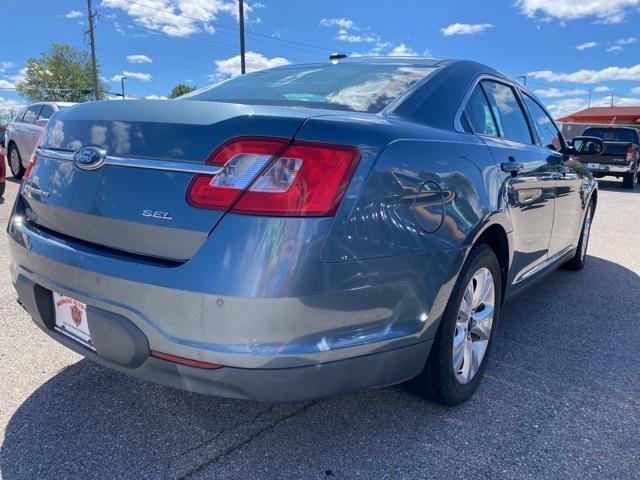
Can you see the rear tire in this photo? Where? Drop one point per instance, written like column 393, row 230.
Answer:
column 629, row 180
column 15, row 162
column 579, row 259
column 475, row 301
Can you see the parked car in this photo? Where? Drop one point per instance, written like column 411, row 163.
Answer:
column 301, row 231
column 25, row 129
column 619, row 157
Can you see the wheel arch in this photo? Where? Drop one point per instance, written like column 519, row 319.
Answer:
column 495, row 235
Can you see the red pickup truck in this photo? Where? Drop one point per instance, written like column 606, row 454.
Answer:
column 620, row 156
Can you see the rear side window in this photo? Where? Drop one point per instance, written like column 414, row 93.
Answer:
column 512, row 123
column 479, row 114
column 612, row 134
column 32, row 114
column 20, row 115
column 46, row 112
column 549, row 135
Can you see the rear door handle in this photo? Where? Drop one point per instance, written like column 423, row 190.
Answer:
column 512, row 166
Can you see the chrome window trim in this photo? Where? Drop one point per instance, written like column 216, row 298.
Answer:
column 137, row 162
column 517, row 89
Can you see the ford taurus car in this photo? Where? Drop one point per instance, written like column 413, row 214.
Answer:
column 300, row 231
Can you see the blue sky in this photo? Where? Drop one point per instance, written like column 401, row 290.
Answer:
column 565, row 47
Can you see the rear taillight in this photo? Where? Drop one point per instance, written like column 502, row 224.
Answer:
column 241, row 160
column 629, row 158
column 262, row 177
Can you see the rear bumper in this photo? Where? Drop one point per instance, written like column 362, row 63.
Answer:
column 122, row 346
column 605, row 168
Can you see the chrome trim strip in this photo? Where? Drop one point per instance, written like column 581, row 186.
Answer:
column 134, row 162
column 548, row 262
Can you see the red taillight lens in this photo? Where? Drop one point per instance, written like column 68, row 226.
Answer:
column 261, row 176
column 242, row 159
column 306, row 179
column 629, row 153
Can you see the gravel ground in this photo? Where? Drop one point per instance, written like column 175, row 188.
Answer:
column 561, row 398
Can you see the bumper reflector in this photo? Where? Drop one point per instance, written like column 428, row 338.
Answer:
column 184, row 361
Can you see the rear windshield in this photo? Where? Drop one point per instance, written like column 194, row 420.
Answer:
column 343, row 86
column 612, row 134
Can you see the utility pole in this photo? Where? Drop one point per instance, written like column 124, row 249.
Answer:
column 611, row 99
column 589, row 103
column 122, row 79
column 241, row 19
column 91, row 18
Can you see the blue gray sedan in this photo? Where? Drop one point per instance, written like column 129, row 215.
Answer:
column 301, row 231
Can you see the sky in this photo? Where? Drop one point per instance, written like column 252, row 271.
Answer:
column 569, row 50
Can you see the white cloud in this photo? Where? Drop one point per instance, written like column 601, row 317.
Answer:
column 606, row 11
column 402, row 51
column 558, row 93
column 155, row 97
column 626, row 41
column 138, row 59
column 590, row 76
column 635, row 91
column 601, row 88
column 614, row 48
column 349, row 32
column 345, row 36
column 571, row 105
column 586, row 45
column 566, row 106
column 6, row 83
column 253, row 62
column 74, row 14
column 177, row 18
column 337, row 22
column 465, row 28
column 144, row 77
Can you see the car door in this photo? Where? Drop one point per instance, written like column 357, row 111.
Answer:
column 567, row 217
column 527, row 174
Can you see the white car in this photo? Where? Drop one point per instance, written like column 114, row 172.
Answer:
column 24, row 130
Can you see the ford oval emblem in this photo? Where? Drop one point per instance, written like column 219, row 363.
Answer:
column 89, row 158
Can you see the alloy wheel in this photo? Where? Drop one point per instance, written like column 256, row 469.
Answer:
column 15, row 161
column 473, row 326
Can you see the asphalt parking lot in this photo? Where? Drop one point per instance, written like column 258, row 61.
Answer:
column 561, row 398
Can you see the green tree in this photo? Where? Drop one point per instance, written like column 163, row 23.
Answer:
column 62, row 74
column 180, row 89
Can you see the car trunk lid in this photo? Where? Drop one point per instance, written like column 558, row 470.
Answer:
column 136, row 202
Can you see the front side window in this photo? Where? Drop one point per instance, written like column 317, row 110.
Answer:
column 512, row 123
column 547, row 132
column 479, row 114
column 32, row 114
column 344, row 86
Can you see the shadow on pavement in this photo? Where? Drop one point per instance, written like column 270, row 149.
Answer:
column 558, row 399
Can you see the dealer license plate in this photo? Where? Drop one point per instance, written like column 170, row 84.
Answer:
column 71, row 319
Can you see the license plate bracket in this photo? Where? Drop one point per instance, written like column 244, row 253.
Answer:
column 71, row 319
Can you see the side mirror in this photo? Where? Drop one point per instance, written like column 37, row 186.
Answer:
column 587, row 146
column 42, row 122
